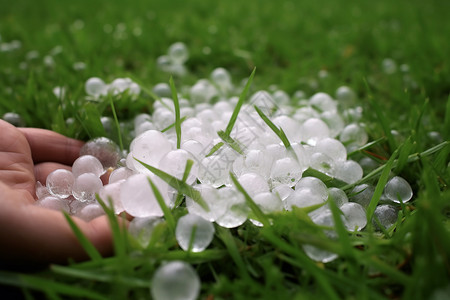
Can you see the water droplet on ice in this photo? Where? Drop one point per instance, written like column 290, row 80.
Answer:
column 204, row 232
column 175, row 280
column 59, row 183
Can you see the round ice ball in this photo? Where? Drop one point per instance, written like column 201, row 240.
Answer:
column 345, row 94
column 236, row 208
column 355, row 215
column 120, row 174
column 86, row 186
column 303, row 197
column 362, row 194
column 348, row 171
column 338, row 196
column 111, row 192
column 333, row 148
column 142, row 229
column 313, row 130
column 95, row 86
column 285, row 171
column 54, row 203
column 174, row 163
column 353, row 134
column 178, row 53
column 323, row 102
column 175, row 280
column 59, row 183
column 221, row 77
column 104, row 149
column 90, row 212
column 253, row 183
column 217, row 205
column 87, row 164
column 398, row 188
column 14, row 119
column 386, row 214
column 137, row 196
column 194, row 227
column 315, row 184
column 149, row 147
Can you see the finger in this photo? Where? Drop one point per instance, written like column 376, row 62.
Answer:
column 50, row 146
column 41, row 235
column 42, row 170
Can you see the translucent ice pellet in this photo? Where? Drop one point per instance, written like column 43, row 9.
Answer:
column 55, row 203
column 104, row 149
column 398, row 188
column 59, row 183
column 362, row 194
column 95, row 86
column 175, row 280
column 303, row 197
column 142, row 228
column 386, row 214
column 86, row 186
column 111, row 192
column 90, row 212
column 315, row 184
column 178, row 53
column 323, row 102
column 355, row 216
column 196, row 230
column 87, row 164
column 253, row 183
column 174, row 163
column 338, row 196
column 285, row 171
column 236, row 209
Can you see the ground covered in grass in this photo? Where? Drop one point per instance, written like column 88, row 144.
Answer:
column 394, row 55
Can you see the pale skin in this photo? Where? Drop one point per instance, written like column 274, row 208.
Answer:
column 30, row 234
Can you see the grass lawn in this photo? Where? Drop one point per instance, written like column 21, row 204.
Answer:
column 395, row 55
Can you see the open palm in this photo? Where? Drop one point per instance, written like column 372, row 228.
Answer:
column 29, row 233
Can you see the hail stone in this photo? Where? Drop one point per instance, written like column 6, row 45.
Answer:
column 194, row 231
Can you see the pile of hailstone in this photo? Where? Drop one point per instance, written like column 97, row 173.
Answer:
column 272, row 175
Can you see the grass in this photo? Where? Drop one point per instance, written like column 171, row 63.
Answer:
column 295, row 45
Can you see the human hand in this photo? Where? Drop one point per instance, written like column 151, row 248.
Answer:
column 30, row 234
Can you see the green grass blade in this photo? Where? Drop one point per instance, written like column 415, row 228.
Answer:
column 328, row 180
column 187, row 170
column 367, row 146
column 214, row 149
column 241, row 101
column 85, row 243
column 180, row 186
column 116, row 122
column 380, row 187
column 226, row 237
column 177, row 111
column 167, row 213
column 230, row 142
column 275, row 129
column 447, row 119
column 173, row 124
column 49, row 286
column 253, row 206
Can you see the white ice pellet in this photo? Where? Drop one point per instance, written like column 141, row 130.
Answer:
column 236, row 208
column 353, row 134
column 348, row 171
column 303, row 197
column 282, row 191
column 178, row 53
column 315, row 184
column 104, row 149
column 355, row 216
column 332, row 148
column 120, row 174
column 362, row 194
column 95, row 87
column 194, row 233
column 338, row 196
column 86, row 186
column 398, row 189
column 174, row 163
column 345, row 94
column 142, row 229
column 253, row 183
column 386, row 214
column 87, row 164
column 111, row 192
column 149, row 147
column 137, row 196
column 54, row 203
column 59, row 183
column 90, row 212
column 290, row 127
column 323, row 102
column 268, row 203
column 313, row 130
column 317, row 254
column 175, row 280
column 285, row 171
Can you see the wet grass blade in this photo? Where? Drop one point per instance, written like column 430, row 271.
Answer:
column 180, row 186
column 380, row 186
column 177, row 111
column 237, row 109
column 116, row 122
column 167, row 213
column 253, row 206
column 230, row 142
column 278, row 131
column 226, row 237
column 187, row 170
column 173, row 124
column 84, row 241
